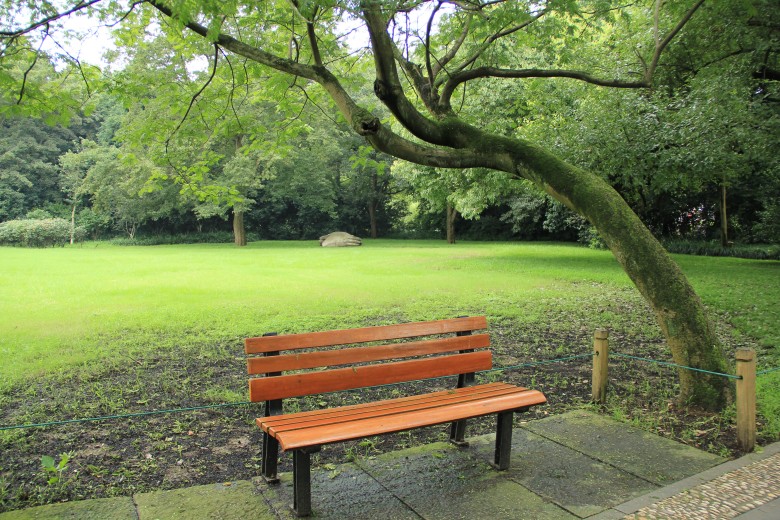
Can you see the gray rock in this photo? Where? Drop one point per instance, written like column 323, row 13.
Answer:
column 339, row 239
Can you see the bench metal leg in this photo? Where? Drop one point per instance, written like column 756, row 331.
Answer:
column 503, row 440
column 270, row 459
column 302, row 481
column 458, row 433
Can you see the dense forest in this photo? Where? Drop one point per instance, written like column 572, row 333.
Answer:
column 213, row 149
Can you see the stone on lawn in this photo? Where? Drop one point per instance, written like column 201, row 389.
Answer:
column 339, row 239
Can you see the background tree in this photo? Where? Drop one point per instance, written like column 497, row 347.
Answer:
column 29, row 151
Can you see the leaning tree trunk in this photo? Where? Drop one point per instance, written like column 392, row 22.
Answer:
column 678, row 309
column 239, row 231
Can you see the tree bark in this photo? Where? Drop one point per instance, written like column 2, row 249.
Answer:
column 678, row 309
column 72, row 222
column 372, row 218
column 724, row 222
column 239, row 231
column 373, row 202
column 452, row 214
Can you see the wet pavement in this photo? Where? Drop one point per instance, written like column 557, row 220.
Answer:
column 574, row 465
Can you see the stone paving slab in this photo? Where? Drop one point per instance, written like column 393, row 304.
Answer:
column 118, row 508
column 212, row 501
column 577, row 483
column 441, row 481
column 624, row 447
column 339, row 493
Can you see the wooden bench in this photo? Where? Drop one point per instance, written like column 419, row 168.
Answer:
column 428, row 356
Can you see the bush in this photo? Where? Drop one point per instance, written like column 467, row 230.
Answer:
column 38, row 214
column 38, row 233
column 94, row 224
column 211, row 237
column 703, row 248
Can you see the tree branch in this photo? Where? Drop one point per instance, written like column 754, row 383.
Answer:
column 492, row 72
column 661, row 45
column 31, row 67
column 461, row 76
column 488, row 41
column 46, row 21
column 195, row 98
column 247, row 51
column 457, row 44
column 391, row 143
column 428, row 28
column 387, row 86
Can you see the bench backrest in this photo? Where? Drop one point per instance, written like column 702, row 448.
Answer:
column 365, row 365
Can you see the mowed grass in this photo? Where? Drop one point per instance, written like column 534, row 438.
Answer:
column 68, row 307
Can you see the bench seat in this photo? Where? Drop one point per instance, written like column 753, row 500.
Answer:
column 318, row 427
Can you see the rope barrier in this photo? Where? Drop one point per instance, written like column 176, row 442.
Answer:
column 537, row 363
column 675, row 365
column 762, row 372
column 240, row 403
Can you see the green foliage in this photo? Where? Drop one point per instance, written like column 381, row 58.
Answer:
column 768, row 227
column 703, row 248
column 29, row 150
column 38, row 214
column 94, row 224
column 55, row 470
column 212, row 237
column 710, row 121
column 534, row 215
column 46, row 232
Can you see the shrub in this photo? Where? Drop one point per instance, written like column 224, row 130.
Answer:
column 37, row 233
column 38, row 214
column 703, row 248
column 210, row 237
column 95, row 224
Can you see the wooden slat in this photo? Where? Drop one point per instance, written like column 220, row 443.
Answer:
column 281, row 423
column 487, row 387
column 295, row 385
column 283, row 363
column 361, row 335
column 349, row 430
column 347, row 408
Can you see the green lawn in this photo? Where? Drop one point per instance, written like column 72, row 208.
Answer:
column 65, row 307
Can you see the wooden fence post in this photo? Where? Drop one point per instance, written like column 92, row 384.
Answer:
column 746, row 399
column 600, row 359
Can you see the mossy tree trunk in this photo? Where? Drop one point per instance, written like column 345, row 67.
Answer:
column 678, row 309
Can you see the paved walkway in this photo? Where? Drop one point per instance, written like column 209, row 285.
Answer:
column 747, row 488
column 575, row 465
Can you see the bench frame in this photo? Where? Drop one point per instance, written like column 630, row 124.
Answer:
column 454, row 355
